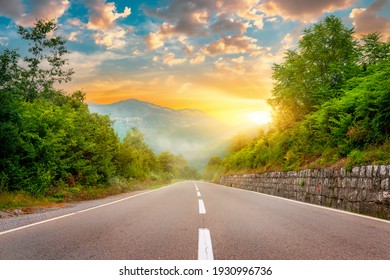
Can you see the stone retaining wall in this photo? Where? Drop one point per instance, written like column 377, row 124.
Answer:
column 364, row 190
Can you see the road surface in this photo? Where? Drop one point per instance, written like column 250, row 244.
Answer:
column 197, row 220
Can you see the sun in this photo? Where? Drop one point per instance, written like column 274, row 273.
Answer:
column 260, row 117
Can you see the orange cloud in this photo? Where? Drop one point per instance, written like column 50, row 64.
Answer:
column 232, row 45
column 225, row 24
column 40, row 9
column 112, row 39
column 73, row 36
column 303, row 10
column 156, row 40
column 103, row 15
column 368, row 20
column 170, row 60
column 199, row 58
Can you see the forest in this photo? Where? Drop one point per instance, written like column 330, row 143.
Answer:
column 51, row 146
column 331, row 102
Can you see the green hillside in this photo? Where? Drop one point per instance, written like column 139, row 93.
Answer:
column 331, row 99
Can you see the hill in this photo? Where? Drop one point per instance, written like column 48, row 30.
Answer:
column 191, row 133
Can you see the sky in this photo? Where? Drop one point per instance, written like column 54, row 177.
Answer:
column 211, row 55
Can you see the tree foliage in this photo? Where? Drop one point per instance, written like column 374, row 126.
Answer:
column 45, row 64
column 314, row 73
column 332, row 101
column 49, row 140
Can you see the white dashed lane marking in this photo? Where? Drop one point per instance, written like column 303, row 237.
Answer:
column 202, row 209
column 205, row 249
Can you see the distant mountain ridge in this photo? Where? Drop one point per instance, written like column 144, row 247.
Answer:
column 189, row 132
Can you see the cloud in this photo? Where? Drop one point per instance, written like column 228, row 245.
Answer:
column 303, row 10
column 288, row 42
column 37, row 9
column 233, row 45
column 12, row 9
column 225, row 24
column 272, row 19
column 73, row 36
column 113, row 38
column 245, row 9
column 156, row 40
column 85, row 65
column 76, row 22
column 194, row 17
column 235, row 66
column 199, row 58
column 203, row 18
column 103, row 15
column 4, row 41
column 185, row 17
column 356, row 12
column 102, row 18
column 170, row 60
column 368, row 20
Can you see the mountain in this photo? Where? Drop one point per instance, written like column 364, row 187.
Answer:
column 191, row 133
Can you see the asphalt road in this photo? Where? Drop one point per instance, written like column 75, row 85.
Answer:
column 197, row 220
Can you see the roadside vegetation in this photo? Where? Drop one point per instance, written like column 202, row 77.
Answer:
column 52, row 149
column 331, row 99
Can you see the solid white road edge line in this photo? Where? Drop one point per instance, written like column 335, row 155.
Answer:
column 81, row 211
column 205, row 249
column 307, row 204
column 202, row 209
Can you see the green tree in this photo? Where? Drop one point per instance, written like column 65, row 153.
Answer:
column 314, row 73
column 238, row 142
column 166, row 162
column 135, row 159
column 45, row 65
column 373, row 50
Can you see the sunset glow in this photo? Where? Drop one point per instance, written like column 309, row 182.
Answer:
column 260, row 117
column 215, row 56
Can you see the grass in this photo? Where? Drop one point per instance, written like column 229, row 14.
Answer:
column 10, row 200
column 23, row 200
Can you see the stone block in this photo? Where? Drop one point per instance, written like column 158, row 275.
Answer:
column 376, row 184
column 362, row 172
column 354, row 182
column 352, row 195
column 369, row 170
column 329, row 173
column 346, row 183
column 355, row 171
column 367, row 183
column 375, row 171
column 385, row 184
column 363, row 195
column 325, row 182
column 382, row 171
